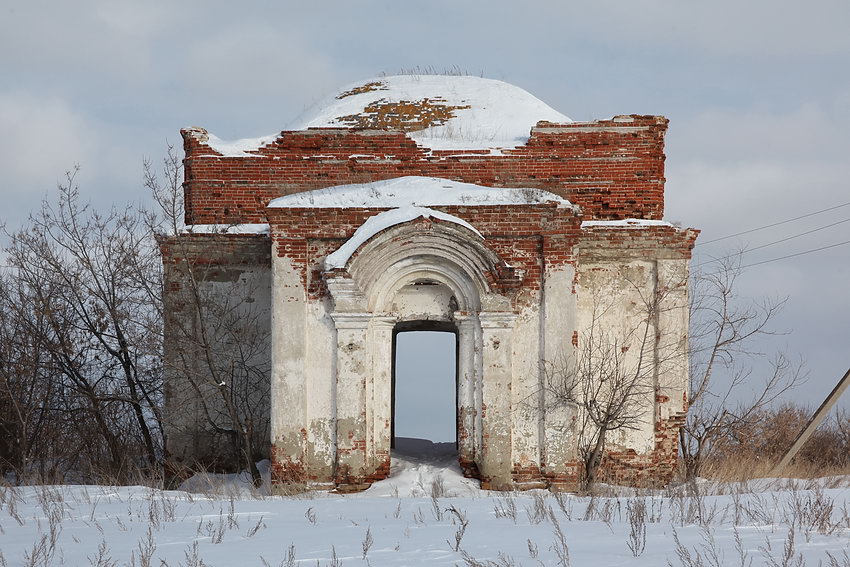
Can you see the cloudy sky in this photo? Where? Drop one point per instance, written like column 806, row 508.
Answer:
column 757, row 92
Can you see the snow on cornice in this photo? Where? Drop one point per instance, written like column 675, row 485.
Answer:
column 241, row 147
column 247, row 228
column 625, row 223
column 382, row 221
column 416, row 191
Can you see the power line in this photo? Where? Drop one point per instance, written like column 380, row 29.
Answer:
column 748, row 250
column 798, row 235
column 797, row 254
column 773, row 224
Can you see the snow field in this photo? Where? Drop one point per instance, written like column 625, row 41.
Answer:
column 427, row 514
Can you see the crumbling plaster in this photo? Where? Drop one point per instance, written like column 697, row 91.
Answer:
column 332, row 361
column 557, row 229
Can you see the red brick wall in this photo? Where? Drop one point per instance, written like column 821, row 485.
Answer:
column 612, row 168
column 647, row 240
column 522, row 235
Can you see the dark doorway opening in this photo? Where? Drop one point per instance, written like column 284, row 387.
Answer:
column 424, row 382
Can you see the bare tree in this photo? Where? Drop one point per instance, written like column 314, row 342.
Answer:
column 25, row 385
column 217, row 350
column 78, row 323
column 723, row 341
column 611, row 378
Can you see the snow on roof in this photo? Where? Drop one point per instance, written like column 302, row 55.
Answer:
column 241, row 147
column 439, row 112
column 383, row 221
column 625, row 223
column 415, row 190
column 248, row 228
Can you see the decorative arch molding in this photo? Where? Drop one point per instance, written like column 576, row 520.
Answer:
column 422, row 270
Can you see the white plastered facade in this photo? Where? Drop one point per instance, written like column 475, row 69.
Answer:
column 332, row 357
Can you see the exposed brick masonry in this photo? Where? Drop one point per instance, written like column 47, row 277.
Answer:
column 613, row 169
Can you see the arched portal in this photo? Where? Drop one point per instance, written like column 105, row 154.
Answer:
column 425, row 382
column 422, row 272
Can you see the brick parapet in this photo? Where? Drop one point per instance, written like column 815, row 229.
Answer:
column 613, row 168
column 661, row 242
column 216, row 249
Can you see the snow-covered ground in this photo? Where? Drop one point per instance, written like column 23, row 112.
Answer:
column 426, row 513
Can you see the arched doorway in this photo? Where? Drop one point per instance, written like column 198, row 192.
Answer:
column 422, row 274
column 425, row 382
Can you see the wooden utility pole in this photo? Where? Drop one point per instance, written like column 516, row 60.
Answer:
column 813, row 424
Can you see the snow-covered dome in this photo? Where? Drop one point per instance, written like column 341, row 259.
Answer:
column 437, row 111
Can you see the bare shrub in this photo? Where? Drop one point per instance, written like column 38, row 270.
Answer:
column 146, row 547
column 636, row 510
column 287, row 561
column 505, row 508
column 502, row 560
column 436, row 510
column 438, row 487
column 537, row 511
column 102, row 559
column 193, row 557
column 216, row 355
column 559, row 543
column 252, row 531
column 460, row 520
column 834, row 560
column 811, row 511
column 565, row 503
column 789, row 557
column 367, row 542
column 724, row 396
column 335, row 561
column 41, row 553
column 706, row 555
column 751, row 448
column 743, row 557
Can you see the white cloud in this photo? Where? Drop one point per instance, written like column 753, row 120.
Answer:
column 812, row 130
column 726, row 197
column 765, row 28
column 112, row 41
column 258, row 61
column 732, row 169
column 141, row 20
column 42, row 138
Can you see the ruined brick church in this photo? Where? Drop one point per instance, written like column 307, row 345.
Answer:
column 447, row 203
